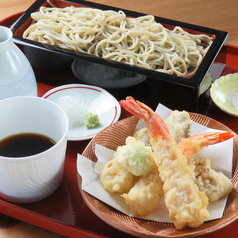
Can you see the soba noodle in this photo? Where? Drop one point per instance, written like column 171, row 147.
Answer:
column 109, row 34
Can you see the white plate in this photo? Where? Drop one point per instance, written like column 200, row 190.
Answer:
column 96, row 100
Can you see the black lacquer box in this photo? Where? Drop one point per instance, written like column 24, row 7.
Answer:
column 148, row 86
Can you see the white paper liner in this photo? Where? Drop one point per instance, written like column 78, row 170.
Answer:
column 221, row 156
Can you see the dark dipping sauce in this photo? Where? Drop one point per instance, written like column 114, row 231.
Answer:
column 24, row 144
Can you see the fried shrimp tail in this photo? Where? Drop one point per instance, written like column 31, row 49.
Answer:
column 187, row 205
column 143, row 112
column 194, row 144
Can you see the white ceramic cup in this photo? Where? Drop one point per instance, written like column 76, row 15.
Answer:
column 32, row 178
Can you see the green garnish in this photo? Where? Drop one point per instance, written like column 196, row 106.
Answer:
column 91, row 120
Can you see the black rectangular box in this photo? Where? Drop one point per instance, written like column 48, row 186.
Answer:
column 173, row 91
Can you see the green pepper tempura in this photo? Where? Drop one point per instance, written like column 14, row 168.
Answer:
column 91, row 120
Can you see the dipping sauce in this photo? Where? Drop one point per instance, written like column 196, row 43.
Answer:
column 24, row 144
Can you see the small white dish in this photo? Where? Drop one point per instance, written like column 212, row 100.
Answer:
column 224, row 93
column 96, row 100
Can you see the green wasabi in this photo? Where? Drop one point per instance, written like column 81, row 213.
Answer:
column 91, row 120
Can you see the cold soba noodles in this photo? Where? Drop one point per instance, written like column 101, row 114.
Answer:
column 109, row 34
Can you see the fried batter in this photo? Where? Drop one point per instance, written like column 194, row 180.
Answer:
column 179, row 124
column 135, row 156
column 115, row 178
column 144, row 197
column 215, row 184
column 143, row 136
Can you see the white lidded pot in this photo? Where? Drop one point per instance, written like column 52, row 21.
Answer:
column 16, row 74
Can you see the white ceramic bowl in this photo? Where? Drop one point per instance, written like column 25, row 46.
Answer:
column 32, row 178
column 224, row 93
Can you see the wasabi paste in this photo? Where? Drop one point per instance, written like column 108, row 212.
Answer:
column 91, row 120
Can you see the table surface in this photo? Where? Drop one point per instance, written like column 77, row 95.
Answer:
column 218, row 14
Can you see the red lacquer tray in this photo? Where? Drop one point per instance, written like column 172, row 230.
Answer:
column 65, row 212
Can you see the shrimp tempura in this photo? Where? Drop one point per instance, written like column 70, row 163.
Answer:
column 187, row 206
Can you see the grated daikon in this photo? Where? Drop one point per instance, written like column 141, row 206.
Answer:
column 74, row 109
